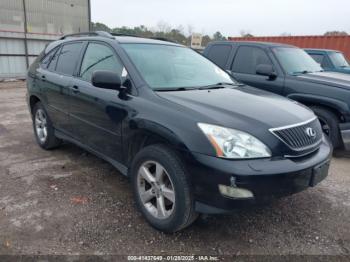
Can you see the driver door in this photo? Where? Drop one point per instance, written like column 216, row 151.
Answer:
column 244, row 66
column 96, row 113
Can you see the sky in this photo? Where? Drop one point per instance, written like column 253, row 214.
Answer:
column 230, row 17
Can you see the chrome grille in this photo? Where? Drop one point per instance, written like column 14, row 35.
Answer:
column 301, row 136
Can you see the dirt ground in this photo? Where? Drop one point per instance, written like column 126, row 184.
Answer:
column 67, row 201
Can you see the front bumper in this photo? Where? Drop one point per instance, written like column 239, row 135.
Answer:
column 265, row 178
column 345, row 133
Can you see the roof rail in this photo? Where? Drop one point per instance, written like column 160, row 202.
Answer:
column 152, row 37
column 162, row 39
column 122, row 34
column 95, row 33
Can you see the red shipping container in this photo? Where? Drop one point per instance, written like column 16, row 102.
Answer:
column 341, row 43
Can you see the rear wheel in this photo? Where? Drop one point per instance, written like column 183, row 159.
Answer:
column 330, row 125
column 43, row 129
column 162, row 189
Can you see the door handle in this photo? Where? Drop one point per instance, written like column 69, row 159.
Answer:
column 75, row 89
column 43, row 77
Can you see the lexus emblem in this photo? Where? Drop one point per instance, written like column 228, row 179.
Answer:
column 310, row 132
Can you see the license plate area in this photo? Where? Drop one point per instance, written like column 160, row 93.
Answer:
column 319, row 173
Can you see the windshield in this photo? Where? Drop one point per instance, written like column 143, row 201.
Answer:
column 338, row 59
column 295, row 60
column 169, row 67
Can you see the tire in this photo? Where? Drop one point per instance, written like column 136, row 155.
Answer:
column 41, row 121
column 330, row 125
column 178, row 214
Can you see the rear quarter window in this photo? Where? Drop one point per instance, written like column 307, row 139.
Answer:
column 46, row 59
column 219, row 54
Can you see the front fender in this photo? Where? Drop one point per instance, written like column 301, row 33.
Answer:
column 148, row 126
column 338, row 105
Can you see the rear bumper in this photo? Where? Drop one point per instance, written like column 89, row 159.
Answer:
column 345, row 133
column 265, row 178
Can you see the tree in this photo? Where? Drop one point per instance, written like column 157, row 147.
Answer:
column 331, row 33
column 163, row 30
column 206, row 40
column 218, row 36
column 100, row 27
column 245, row 33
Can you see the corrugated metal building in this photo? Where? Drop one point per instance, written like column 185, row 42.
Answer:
column 26, row 26
column 341, row 43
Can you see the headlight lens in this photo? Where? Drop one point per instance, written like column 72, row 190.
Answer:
column 231, row 143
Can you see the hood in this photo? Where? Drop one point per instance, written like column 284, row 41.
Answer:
column 245, row 108
column 328, row 78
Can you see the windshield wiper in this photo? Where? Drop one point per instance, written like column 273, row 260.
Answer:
column 174, row 89
column 302, row 72
column 218, row 85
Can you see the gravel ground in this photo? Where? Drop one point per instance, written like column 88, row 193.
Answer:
column 67, row 201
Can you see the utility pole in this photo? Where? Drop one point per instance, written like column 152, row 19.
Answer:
column 25, row 33
column 89, row 14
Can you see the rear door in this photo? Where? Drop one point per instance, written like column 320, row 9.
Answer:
column 244, row 65
column 56, row 79
column 96, row 114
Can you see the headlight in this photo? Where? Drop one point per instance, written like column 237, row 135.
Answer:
column 231, row 143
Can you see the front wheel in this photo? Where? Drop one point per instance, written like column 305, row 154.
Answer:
column 162, row 189
column 330, row 125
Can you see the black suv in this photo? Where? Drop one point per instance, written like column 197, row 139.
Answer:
column 191, row 139
column 289, row 71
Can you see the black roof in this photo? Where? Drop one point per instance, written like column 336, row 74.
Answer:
column 322, row 50
column 257, row 43
column 120, row 38
column 142, row 40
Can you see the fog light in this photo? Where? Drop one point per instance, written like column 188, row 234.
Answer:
column 235, row 192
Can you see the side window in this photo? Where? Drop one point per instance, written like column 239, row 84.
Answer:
column 99, row 57
column 47, row 59
column 53, row 61
column 318, row 58
column 219, row 54
column 247, row 59
column 68, row 58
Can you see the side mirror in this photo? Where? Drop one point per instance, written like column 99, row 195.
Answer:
column 106, row 79
column 265, row 70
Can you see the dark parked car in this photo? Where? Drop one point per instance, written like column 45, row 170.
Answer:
column 330, row 60
column 191, row 139
column 289, row 71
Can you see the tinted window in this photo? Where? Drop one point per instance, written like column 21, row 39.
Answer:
column 53, row 61
column 247, row 58
column 219, row 54
column 68, row 58
column 318, row 58
column 46, row 60
column 99, row 57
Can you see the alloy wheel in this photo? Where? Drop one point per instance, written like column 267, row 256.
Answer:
column 156, row 189
column 40, row 122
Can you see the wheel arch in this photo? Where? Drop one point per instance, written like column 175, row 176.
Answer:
column 149, row 133
column 337, row 107
column 33, row 99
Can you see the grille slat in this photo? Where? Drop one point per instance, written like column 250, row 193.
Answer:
column 297, row 137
